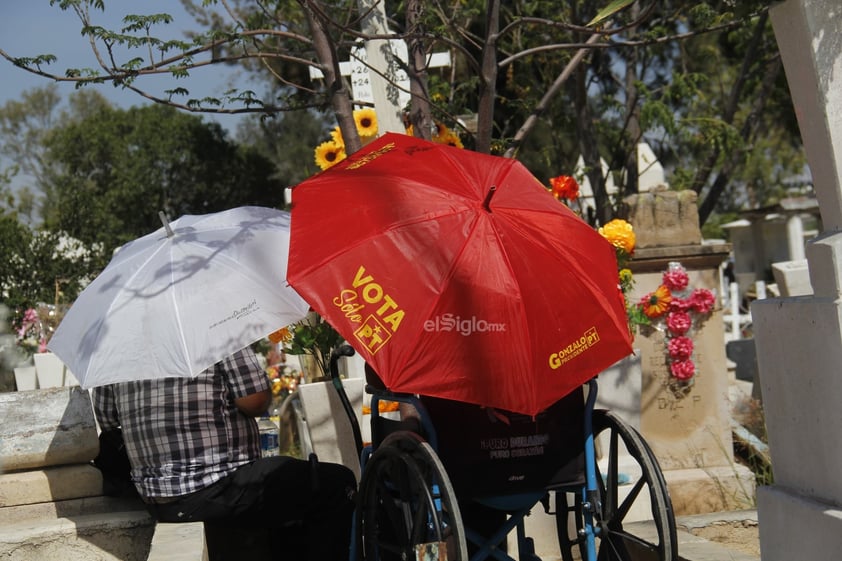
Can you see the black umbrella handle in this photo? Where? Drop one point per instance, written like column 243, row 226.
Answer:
column 345, row 350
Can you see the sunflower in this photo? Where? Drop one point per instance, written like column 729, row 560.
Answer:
column 336, row 136
column 329, row 153
column 451, row 139
column 656, row 303
column 441, row 131
column 366, row 120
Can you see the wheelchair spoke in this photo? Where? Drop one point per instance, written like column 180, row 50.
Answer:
column 629, row 514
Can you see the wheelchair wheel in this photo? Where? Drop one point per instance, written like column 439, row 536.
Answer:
column 629, row 527
column 407, row 504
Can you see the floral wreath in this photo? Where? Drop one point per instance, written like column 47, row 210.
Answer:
column 677, row 310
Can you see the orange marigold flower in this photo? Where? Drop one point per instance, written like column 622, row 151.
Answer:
column 564, row 187
column 656, row 303
column 620, row 234
column 382, row 406
column 280, row 336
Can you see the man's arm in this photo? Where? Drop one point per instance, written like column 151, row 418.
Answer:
column 248, row 382
column 254, row 405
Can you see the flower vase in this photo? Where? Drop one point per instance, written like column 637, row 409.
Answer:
column 310, row 369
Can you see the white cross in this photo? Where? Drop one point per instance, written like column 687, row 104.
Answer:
column 388, row 92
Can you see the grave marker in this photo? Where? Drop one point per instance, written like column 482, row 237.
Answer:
column 387, row 85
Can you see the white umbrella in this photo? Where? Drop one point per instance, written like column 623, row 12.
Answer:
column 176, row 301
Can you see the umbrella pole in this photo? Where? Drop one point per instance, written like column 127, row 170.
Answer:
column 166, row 222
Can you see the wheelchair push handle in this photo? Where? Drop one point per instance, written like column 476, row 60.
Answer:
column 339, row 352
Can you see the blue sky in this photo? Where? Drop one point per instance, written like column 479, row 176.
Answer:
column 32, row 27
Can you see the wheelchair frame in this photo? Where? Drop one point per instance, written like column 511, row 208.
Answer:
column 407, row 504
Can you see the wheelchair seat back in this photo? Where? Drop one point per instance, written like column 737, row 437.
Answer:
column 489, row 452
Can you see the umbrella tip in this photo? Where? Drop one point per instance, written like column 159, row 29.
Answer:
column 166, row 222
column 488, row 196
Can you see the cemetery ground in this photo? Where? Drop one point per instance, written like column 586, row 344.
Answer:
column 737, row 531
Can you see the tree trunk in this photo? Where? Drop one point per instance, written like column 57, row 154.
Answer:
column 589, row 149
column 748, row 132
column 488, row 79
column 633, row 132
column 729, row 111
column 419, row 115
column 340, row 97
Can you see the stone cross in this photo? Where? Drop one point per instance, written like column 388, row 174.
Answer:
column 388, row 86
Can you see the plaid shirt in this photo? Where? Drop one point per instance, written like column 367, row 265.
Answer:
column 182, row 434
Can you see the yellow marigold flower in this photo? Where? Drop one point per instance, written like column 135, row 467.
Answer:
column 655, row 304
column 620, row 234
column 451, row 139
column 366, row 120
column 277, row 386
column 410, row 131
column 336, row 136
column 625, row 275
column 329, row 153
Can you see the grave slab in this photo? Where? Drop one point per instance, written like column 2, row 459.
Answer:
column 50, row 484
column 46, row 427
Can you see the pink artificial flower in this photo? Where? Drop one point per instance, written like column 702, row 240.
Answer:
column 680, row 305
column 676, row 279
column 678, row 322
column 42, row 346
column 680, row 348
column 702, row 300
column 683, row 370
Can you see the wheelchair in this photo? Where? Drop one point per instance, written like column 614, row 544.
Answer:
column 587, row 468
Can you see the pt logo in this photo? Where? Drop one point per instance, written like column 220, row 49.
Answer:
column 366, row 303
column 372, row 334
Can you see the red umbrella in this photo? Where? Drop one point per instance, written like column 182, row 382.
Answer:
column 457, row 274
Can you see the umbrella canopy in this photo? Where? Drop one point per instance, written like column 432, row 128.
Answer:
column 176, row 301
column 457, row 275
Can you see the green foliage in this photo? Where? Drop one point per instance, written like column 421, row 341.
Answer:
column 611, row 9
column 700, row 98
column 42, row 267
column 115, row 170
column 314, row 337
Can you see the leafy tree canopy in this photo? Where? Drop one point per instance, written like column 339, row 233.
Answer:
column 544, row 81
column 114, row 171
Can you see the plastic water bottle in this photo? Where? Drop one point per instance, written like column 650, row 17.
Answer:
column 268, row 437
